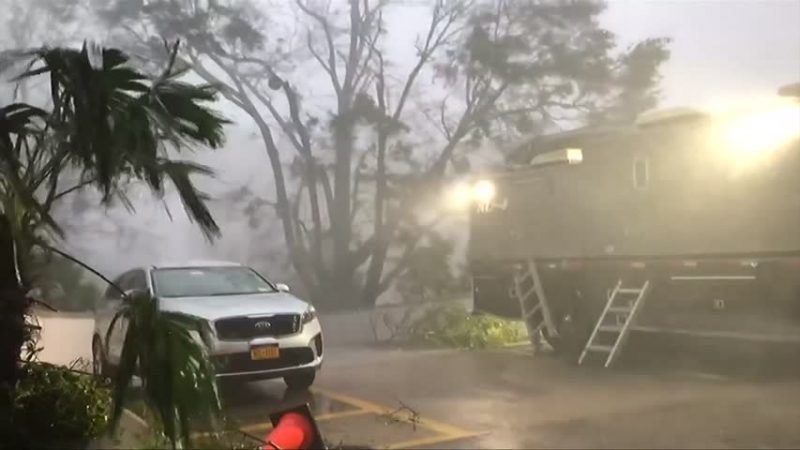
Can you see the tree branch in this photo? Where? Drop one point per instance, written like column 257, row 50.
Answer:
column 464, row 125
column 432, row 41
column 357, row 182
column 326, row 187
column 283, row 207
column 326, row 28
column 361, row 76
column 73, row 188
column 276, row 115
column 227, row 91
column 318, row 58
column 442, row 120
column 355, row 48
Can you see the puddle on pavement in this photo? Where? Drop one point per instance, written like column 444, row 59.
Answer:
column 253, row 404
column 370, row 430
column 340, row 422
column 321, row 404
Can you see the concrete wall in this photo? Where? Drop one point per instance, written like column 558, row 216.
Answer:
column 65, row 336
column 68, row 336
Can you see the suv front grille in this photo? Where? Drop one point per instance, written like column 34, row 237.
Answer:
column 241, row 362
column 242, row 328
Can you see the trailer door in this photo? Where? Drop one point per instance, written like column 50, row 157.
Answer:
column 491, row 292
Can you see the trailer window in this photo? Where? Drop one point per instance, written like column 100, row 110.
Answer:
column 641, row 172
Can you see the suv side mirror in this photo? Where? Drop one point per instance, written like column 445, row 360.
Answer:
column 131, row 293
column 282, row 287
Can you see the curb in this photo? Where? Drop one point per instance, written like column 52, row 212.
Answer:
column 517, row 344
column 135, row 418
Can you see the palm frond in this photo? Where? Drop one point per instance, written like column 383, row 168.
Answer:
column 9, row 168
column 177, row 374
column 16, row 118
column 114, row 120
column 194, row 201
column 127, row 363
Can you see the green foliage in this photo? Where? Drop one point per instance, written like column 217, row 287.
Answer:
column 108, row 122
column 553, row 62
column 228, row 437
column 454, row 326
column 168, row 352
column 521, row 66
column 55, row 407
column 228, row 440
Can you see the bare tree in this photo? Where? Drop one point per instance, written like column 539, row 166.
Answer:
column 348, row 202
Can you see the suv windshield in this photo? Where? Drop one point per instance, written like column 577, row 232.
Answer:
column 209, row 281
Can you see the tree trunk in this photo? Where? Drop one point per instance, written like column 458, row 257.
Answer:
column 13, row 308
column 342, row 233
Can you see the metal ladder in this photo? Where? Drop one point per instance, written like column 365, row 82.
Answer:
column 532, row 301
column 623, row 304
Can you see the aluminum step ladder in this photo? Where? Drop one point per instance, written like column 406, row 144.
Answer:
column 622, row 307
column 532, row 301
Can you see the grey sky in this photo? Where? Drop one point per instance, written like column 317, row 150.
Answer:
column 720, row 48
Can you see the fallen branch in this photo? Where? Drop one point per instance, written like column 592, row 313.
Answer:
column 412, row 417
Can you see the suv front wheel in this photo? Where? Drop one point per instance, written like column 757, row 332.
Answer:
column 99, row 364
column 300, row 380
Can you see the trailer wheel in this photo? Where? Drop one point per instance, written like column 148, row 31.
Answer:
column 587, row 306
column 569, row 342
column 563, row 345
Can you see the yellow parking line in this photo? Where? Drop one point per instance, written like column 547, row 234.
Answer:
column 263, row 426
column 352, row 401
column 444, row 432
column 433, row 425
column 432, row 440
column 320, row 418
column 340, row 414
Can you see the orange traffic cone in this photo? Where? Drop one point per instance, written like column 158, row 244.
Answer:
column 294, row 429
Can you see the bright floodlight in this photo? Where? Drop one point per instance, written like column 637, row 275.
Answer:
column 763, row 131
column 484, row 191
column 459, row 197
column 574, row 156
column 749, row 133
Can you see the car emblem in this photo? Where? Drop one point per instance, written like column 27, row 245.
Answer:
column 263, row 325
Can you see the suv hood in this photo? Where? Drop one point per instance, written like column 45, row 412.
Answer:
column 218, row 307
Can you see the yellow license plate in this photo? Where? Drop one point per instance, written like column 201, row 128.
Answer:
column 265, row 352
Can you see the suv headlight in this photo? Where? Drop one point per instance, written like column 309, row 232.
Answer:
column 309, row 314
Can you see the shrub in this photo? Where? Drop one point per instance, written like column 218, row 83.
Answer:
column 56, row 407
column 454, row 326
column 228, row 440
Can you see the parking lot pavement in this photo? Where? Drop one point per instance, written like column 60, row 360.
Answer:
column 343, row 419
column 682, row 396
column 509, row 399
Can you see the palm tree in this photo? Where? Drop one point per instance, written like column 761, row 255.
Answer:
column 177, row 376
column 109, row 124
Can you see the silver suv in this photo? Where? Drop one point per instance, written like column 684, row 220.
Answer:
column 259, row 329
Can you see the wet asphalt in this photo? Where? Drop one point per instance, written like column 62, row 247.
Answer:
column 663, row 395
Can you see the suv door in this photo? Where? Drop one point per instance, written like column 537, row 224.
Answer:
column 104, row 309
column 113, row 303
column 132, row 280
